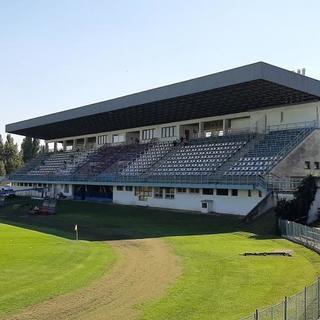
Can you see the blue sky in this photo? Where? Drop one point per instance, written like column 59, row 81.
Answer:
column 60, row 54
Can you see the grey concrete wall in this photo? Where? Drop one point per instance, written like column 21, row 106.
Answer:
column 294, row 164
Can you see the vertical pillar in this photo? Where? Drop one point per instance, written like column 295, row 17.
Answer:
column 46, row 148
column 64, row 145
column 85, row 143
column 74, row 144
column 224, row 126
column 55, row 146
column 201, row 129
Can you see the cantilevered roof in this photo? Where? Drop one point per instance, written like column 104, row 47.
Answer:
column 246, row 88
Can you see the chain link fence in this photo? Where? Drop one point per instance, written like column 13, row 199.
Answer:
column 305, row 305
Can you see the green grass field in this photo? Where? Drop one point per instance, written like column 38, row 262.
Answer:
column 218, row 282
column 36, row 266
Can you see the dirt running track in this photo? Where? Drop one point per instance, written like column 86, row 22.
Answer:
column 144, row 270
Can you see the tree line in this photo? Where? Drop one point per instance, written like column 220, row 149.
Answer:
column 11, row 158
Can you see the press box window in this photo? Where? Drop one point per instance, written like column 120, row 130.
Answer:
column 307, row 165
column 129, row 188
column 102, row 139
column 207, row 191
column 148, row 134
column 167, row 132
column 119, row 188
column 222, row 192
column 194, row 190
column 181, row 190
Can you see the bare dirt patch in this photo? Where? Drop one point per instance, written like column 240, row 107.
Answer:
column 144, row 270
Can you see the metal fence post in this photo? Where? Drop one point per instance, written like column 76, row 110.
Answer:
column 285, row 308
column 318, row 295
column 256, row 315
column 305, row 303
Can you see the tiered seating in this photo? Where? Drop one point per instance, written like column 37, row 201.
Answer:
column 112, row 159
column 60, row 163
column 201, row 156
column 262, row 157
column 141, row 165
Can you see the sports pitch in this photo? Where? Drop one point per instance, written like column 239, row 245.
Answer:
column 141, row 263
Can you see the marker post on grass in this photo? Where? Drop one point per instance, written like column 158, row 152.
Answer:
column 76, row 231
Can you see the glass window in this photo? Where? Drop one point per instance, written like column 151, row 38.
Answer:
column 158, row 193
column 168, row 132
column 119, row 188
column 169, row 193
column 249, row 193
column 222, row 192
column 307, row 165
column 194, row 190
column 102, row 139
column 234, row 192
column 182, row 190
column 207, row 191
column 317, row 165
column 118, row 138
column 204, row 205
column 143, row 193
column 147, row 134
column 66, row 188
column 129, row 188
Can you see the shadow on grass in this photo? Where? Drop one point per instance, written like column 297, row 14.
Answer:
column 99, row 222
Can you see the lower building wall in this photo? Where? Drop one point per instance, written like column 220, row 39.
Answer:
column 240, row 205
column 50, row 190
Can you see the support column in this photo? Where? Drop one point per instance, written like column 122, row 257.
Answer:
column 64, row 145
column 55, row 146
column 224, row 126
column 46, row 148
column 201, row 129
column 74, row 144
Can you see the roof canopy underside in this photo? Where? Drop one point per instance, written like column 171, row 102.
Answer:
column 243, row 96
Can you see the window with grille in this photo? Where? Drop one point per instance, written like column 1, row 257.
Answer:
column 168, row 132
column 148, row 134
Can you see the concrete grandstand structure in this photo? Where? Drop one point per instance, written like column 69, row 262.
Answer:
column 220, row 143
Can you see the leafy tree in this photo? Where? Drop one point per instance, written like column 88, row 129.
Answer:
column 30, row 148
column 11, row 155
column 2, row 169
column 35, row 147
column 298, row 208
column 26, row 149
column 1, row 148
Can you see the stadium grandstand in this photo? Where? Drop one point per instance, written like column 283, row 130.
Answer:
column 221, row 143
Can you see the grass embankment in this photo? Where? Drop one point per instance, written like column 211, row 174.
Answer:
column 218, row 282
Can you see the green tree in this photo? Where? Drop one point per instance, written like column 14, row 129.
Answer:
column 11, row 155
column 1, row 148
column 35, row 147
column 298, row 208
column 27, row 149
column 30, row 148
column 2, row 169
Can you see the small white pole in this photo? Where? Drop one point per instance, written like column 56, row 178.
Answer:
column 76, row 231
